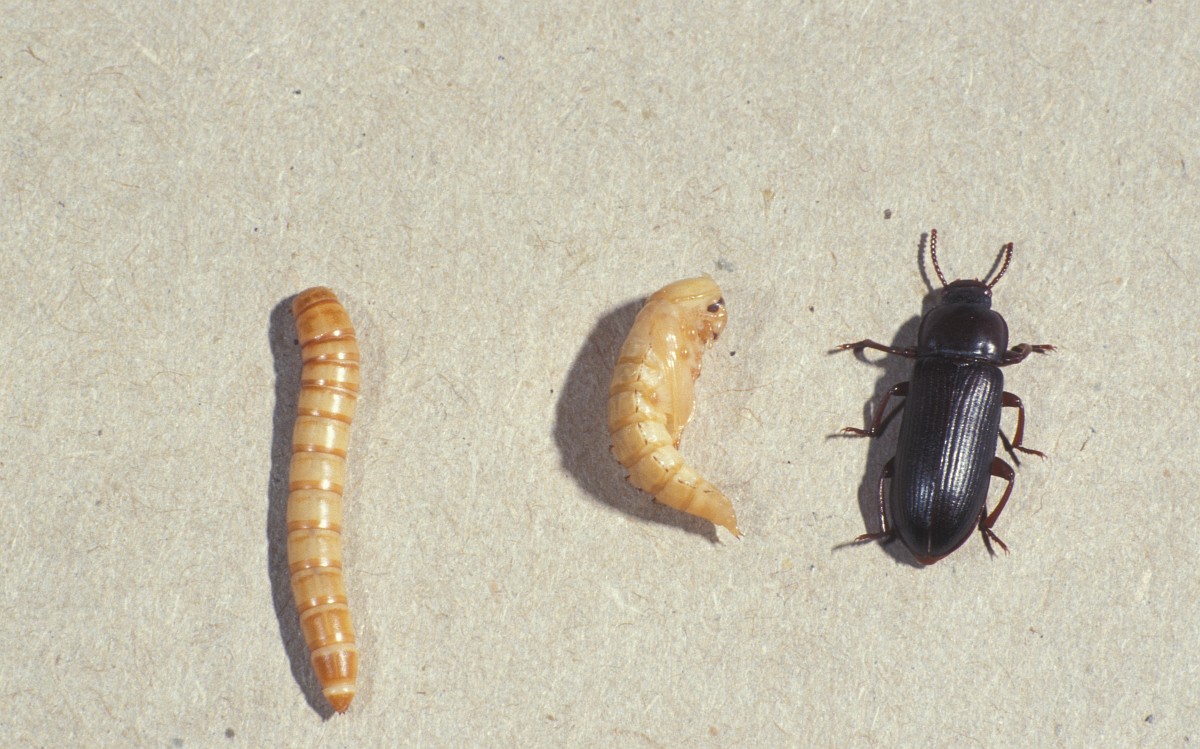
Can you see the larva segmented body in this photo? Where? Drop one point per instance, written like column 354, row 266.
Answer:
column 653, row 391
column 329, row 384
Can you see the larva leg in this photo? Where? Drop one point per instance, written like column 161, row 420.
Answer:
column 652, row 395
column 329, row 384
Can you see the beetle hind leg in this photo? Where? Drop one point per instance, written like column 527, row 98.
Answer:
column 1000, row 470
column 885, row 534
column 989, row 537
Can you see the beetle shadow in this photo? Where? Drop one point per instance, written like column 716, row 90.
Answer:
column 285, row 351
column 895, row 369
column 881, row 449
column 581, row 428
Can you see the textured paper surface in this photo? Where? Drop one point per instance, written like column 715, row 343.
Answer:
column 491, row 189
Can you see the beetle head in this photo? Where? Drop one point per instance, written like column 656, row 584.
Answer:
column 967, row 292
column 700, row 304
column 963, row 323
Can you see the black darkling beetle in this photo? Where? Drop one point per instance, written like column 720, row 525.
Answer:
column 946, row 454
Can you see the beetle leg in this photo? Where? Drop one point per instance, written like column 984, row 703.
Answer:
column 886, row 532
column 880, row 422
column 1019, row 352
column 1010, row 400
column 868, row 343
column 1008, row 448
column 1002, row 470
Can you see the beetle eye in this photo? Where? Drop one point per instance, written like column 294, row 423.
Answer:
column 716, row 306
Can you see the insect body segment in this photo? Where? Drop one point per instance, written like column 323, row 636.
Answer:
column 653, row 392
column 329, row 384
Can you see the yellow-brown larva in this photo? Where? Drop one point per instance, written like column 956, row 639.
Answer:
column 328, row 394
column 653, row 391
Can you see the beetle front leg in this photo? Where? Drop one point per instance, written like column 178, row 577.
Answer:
column 868, row 343
column 1010, row 400
column 1018, row 353
column 880, row 422
column 886, row 532
column 1000, row 470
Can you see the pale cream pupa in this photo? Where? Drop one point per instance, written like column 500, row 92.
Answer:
column 653, row 392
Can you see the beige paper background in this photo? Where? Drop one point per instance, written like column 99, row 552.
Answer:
column 491, row 188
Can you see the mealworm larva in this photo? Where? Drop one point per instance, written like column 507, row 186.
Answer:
column 328, row 395
column 653, row 391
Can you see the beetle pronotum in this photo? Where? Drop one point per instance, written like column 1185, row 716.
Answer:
column 328, row 394
column 653, row 391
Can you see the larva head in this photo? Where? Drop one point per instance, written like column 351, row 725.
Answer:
column 700, row 305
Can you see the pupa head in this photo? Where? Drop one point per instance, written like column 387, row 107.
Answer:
column 699, row 302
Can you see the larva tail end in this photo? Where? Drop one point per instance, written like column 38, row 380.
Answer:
column 339, row 701
column 730, row 524
column 720, row 510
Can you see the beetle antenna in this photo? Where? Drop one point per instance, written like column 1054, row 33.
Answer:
column 1003, row 268
column 933, row 256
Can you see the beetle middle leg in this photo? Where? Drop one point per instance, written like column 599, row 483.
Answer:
column 885, row 533
column 880, row 422
column 1010, row 400
column 1000, row 470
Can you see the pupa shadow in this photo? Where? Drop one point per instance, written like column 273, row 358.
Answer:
column 581, row 429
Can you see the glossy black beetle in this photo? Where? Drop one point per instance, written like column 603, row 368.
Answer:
column 946, row 454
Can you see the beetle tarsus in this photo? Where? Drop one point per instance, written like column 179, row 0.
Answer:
column 882, row 536
column 1017, row 354
column 988, row 537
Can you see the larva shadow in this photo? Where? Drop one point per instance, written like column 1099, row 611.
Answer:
column 285, row 352
column 581, row 428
